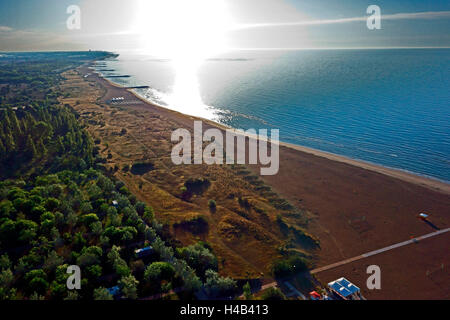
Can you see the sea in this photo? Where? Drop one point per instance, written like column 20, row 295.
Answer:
column 389, row 107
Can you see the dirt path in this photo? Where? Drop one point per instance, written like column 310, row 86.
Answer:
column 363, row 256
column 375, row 252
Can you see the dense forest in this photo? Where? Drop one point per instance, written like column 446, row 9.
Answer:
column 42, row 138
column 35, row 132
column 58, row 208
column 87, row 219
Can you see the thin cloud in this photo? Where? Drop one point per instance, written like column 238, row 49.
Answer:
column 5, row 29
column 396, row 16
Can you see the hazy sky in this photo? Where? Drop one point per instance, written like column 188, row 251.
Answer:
column 121, row 24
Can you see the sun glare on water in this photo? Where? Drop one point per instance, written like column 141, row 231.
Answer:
column 187, row 33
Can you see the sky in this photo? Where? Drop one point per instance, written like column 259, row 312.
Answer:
column 174, row 25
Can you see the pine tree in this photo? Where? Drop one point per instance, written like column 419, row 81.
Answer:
column 2, row 149
column 30, row 148
column 14, row 123
column 41, row 146
column 9, row 143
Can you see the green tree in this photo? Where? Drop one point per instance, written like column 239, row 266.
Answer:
column 52, row 261
column 90, row 256
column 158, row 271
column 119, row 265
column 87, row 219
column 128, row 286
column 199, row 257
column 5, row 263
column 217, row 286
column 6, row 278
column 94, row 272
column 6, row 209
column 36, row 282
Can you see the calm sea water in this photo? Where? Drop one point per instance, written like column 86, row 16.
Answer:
column 389, row 107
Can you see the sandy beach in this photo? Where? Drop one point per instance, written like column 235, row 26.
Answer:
column 432, row 183
column 354, row 206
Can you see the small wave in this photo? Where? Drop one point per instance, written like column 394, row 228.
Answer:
column 153, row 95
column 247, row 116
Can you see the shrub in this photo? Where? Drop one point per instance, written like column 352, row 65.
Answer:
column 273, row 294
column 141, row 168
column 196, row 225
column 289, row 266
column 247, row 291
column 212, row 205
column 197, row 186
column 102, row 294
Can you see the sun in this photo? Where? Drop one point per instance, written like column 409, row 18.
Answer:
column 183, row 29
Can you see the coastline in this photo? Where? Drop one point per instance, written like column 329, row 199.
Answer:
column 411, row 177
column 352, row 207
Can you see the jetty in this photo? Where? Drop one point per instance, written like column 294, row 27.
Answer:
column 138, row 87
column 124, row 76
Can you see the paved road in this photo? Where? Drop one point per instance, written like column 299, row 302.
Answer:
column 375, row 252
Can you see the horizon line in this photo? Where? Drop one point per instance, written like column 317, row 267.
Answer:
column 237, row 49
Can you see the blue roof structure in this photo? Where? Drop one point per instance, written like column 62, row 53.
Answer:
column 143, row 251
column 344, row 287
column 114, row 291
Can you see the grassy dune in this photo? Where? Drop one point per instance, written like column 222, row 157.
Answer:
column 250, row 228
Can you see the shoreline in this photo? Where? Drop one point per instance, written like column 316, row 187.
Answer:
column 352, row 207
column 401, row 174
